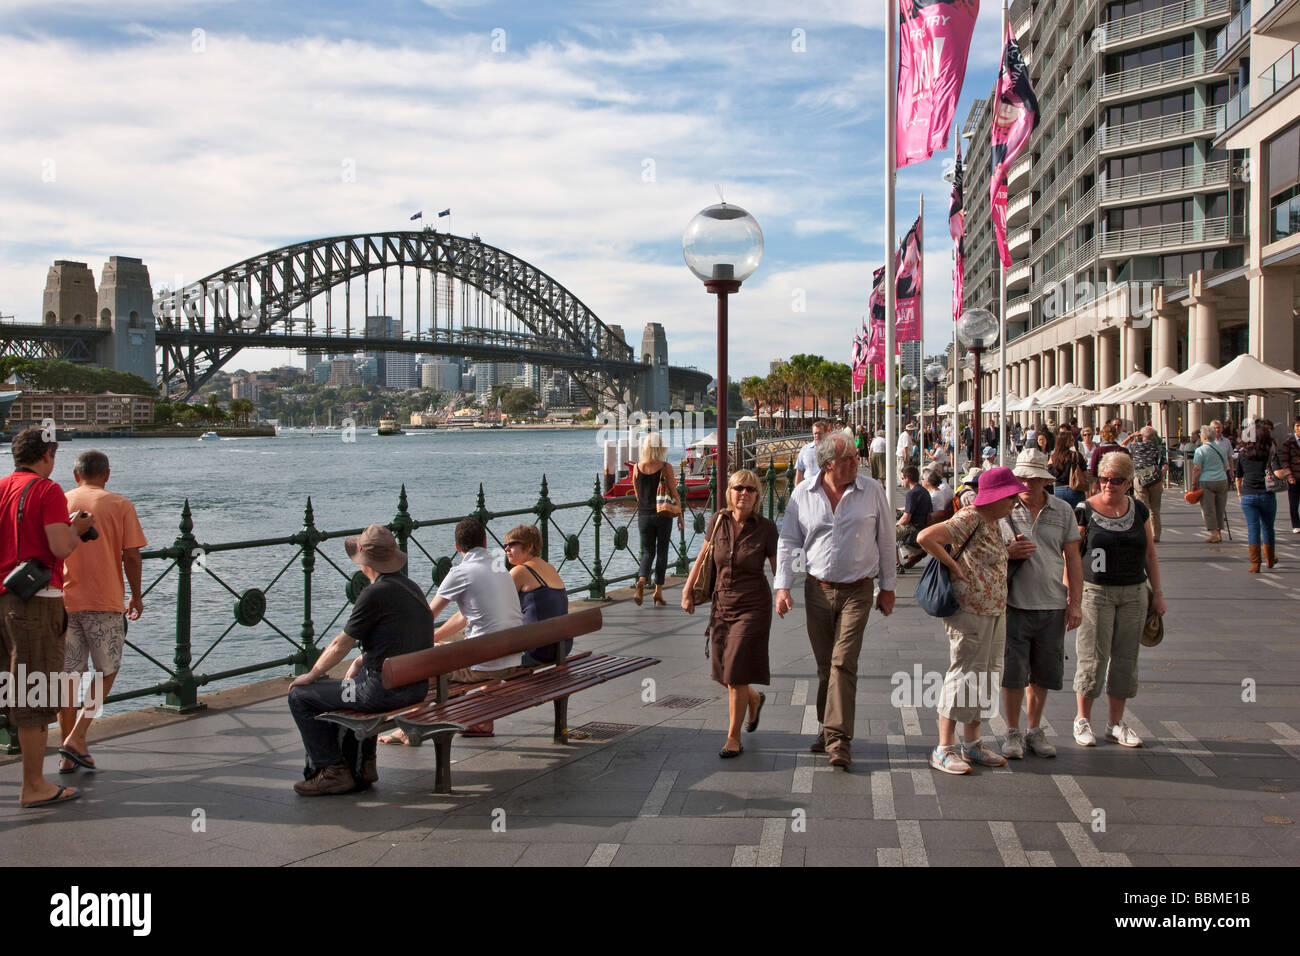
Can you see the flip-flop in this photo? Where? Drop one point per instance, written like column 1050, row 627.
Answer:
column 396, row 737
column 85, row 761
column 63, row 795
column 484, row 729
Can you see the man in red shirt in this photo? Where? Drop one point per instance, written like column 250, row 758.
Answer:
column 31, row 631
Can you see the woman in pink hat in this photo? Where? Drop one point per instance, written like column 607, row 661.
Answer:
column 977, row 632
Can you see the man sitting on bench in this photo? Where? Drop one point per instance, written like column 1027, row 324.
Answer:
column 486, row 602
column 388, row 618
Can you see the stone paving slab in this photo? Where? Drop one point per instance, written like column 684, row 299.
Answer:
column 1216, row 783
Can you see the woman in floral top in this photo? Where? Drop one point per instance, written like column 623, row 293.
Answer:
column 977, row 632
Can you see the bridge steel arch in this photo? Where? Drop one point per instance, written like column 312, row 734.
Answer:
column 253, row 303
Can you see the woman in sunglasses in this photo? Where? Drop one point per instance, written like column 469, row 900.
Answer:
column 741, row 618
column 1119, row 559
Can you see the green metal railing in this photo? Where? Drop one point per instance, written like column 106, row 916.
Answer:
column 590, row 542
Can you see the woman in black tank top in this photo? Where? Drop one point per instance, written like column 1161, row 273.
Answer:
column 656, row 529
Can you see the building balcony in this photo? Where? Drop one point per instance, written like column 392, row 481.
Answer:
column 1018, row 277
column 1152, row 24
column 1233, row 38
column 1019, row 306
column 1158, row 239
column 1156, row 131
column 1280, row 75
column 1020, row 169
column 1018, row 208
column 1156, row 76
column 1279, row 18
column 1020, row 239
column 1165, row 182
column 1231, row 112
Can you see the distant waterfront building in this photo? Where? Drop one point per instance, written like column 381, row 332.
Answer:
column 107, row 410
column 773, row 365
column 441, row 375
column 321, row 373
column 399, row 370
column 246, row 386
column 123, row 306
column 654, row 356
column 342, row 372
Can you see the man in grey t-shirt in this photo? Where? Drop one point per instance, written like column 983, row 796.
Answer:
column 1044, row 600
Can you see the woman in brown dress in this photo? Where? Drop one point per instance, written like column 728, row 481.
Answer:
column 741, row 618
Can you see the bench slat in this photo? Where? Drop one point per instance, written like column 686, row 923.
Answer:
column 522, row 694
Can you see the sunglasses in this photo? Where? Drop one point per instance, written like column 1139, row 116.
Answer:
column 1111, row 481
column 749, row 488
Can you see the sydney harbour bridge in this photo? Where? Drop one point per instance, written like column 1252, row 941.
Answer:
column 452, row 295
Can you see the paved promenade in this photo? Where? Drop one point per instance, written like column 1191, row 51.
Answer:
column 1215, row 784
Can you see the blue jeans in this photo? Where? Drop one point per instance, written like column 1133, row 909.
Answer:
column 1069, row 495
column 1260, row 511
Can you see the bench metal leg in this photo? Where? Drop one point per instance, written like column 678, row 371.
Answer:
column 561, row 720
column 442, row 762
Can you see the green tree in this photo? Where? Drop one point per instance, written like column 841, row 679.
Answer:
column 519, row 401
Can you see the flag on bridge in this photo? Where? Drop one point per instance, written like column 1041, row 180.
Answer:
column 418, row 215
column 445, row 212
column 1015, row 117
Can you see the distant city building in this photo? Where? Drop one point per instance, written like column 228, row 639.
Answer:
column 399, row 370
column 773, row 365
column 654, row 355
column 246, row 386
column 123, row 306
column 342, row 372
column 467, row 382
column 441, row 375
column 321, row 373
column 108, row 410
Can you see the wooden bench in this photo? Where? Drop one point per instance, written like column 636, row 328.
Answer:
column 448, row 714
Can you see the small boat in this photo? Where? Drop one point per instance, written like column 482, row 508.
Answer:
column 389, row 426
column 209, row 436
column 697, row 488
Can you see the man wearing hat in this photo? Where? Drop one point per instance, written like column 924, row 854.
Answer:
column 1042, row 547
column 989, row 454
column 389, row 617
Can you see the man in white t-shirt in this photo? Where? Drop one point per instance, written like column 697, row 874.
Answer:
column 806, row 464
column 903, row 452
column 1222, row 443
column 879, row 449
column 486, row 602
column 940, row 491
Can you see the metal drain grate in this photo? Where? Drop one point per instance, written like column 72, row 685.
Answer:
column 601, row 731
column 678, row 702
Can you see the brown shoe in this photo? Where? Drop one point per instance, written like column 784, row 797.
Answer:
column 639, row 594
column 818, row 746
column 839, row 757
column 370, row 771
column 1254, row 559
column 330, row 781
column 1270, row 557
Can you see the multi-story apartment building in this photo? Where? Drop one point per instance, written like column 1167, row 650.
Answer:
column 1122, row 190
column 105, row 410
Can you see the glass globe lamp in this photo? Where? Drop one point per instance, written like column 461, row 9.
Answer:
column 978, row 329
column 723, row 242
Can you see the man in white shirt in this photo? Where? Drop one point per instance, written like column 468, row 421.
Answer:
column 806, row 464
column 940, row 491
column 1223, row 444
column 903, row 452
column 842, row 529
column 879, row 449
column 486, row 602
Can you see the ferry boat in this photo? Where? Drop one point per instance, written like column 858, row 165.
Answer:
column 389, row 426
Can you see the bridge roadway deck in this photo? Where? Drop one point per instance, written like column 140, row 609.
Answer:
column 1215, row 784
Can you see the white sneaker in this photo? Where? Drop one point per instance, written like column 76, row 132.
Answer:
column 1083, row 735
column 1122, row 735
column 1295, row 530
column 1014, row 748
column 1036, row 740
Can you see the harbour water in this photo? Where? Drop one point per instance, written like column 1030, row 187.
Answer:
column 248, row 488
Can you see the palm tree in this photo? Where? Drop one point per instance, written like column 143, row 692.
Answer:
column 779, row 381
column 801, row 367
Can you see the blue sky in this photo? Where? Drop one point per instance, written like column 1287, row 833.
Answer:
column 581, row 137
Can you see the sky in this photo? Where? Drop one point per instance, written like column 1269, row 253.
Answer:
column 581, row 137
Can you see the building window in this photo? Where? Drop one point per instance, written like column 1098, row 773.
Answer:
column 1284, row 183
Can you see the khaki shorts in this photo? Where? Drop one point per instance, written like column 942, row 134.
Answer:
column 31, row 642
column 95, row 636
column 1107, row 641
column 976, row 650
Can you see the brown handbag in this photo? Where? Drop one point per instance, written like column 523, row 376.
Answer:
column 1078, row 476
column 702, row 589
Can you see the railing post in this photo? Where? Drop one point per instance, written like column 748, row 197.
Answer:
column 402, row 525
column 683, row 566
column 309, row 652
column 544, row 509
column 184, row 697
column 480, row 508
column 597, row 590
column 713, row 487
column 770, row 480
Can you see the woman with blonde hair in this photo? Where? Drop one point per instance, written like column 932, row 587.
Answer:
column 651, row 476
column 740, row 620
column 1210, row 467
column 1119, row 560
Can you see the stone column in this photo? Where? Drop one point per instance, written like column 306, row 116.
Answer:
column 1272, row 337
column 1107, row 359
column 1202, row 339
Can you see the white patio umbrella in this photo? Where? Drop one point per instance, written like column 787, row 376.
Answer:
column 1193, row 377
column 1069, row 394
column 967, row 406
column 1040, row 398
column 1247, row 375
column 1118, row 394
column 944, row 409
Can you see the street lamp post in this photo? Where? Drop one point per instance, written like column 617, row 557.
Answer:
column 908, row 384
column 934, row 374
column 722, row 246
column 978, row 330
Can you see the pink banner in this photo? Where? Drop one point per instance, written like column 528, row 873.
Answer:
column 957, row 229
column 934, row 40
column 907, row 306
column 1015, row 118
column 859, row 377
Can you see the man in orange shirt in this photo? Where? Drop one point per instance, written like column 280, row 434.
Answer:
column 95, row 599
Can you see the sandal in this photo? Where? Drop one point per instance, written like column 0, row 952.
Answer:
column 397, row 737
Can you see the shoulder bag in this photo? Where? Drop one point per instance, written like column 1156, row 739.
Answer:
column 665, row 502
column 1272, row 483
column 1079, row 474
column 31, row 575
column 702, row 589
column 934, row 591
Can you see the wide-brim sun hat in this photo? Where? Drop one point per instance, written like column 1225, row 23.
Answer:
column 376, row 548
column 1032, row 463
column 996, row 484
column 988, row 451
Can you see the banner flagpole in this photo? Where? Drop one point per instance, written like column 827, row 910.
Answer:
column 920, row 362
column 891, row 292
